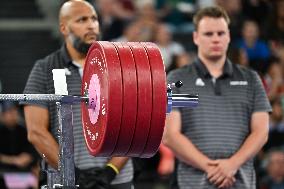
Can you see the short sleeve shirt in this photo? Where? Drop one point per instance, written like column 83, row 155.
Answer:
column 220, row 123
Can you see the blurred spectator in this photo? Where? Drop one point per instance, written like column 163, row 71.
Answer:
column 276, row 118
column 275, row 170
column 142, row 27
column 112, row 18
column 185, row 58
column 168, row 48
column 275, row 27
column 239, row 56
column 234, row 10
column 276, row 126
column 177, row 13
column 279, row 52
column 257, row 10
column 128, row 6
column 182, row 60
column 147, row 17
column 205, row 3
column 131, row 33
column 273, row 79
column 257, row 50
column 16, row 153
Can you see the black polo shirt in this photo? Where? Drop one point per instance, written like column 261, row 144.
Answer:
column 220, row 123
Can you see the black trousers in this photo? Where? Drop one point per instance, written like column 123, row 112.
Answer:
column 128, row 185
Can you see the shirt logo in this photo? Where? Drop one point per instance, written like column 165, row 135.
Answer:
column 238, row 83
column 199, row 82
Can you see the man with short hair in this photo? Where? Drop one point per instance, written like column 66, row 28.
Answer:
column 216, row 141
column 80, row 28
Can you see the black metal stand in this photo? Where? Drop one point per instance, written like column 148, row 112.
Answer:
column 64, row 177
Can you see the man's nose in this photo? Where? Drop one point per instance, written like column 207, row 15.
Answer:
column 92, row 24
column 216, row 38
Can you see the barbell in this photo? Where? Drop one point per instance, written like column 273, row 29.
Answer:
column 124, row 99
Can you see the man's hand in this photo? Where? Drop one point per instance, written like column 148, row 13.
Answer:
column 222, row 175
column 167, row 161
column 211, row 168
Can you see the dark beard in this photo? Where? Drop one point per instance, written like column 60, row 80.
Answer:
column 80, row 45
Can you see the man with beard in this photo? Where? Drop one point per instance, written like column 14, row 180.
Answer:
column 80, row 27
column 216, row 141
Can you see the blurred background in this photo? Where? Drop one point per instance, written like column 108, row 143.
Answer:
column 29, row 31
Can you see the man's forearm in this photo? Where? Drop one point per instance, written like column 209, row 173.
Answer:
column 187, row 152
column 37, row 122
column 118, row 162
column 250, row 148
column 48, row 148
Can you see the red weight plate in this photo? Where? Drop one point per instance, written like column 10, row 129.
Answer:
column 101, row 122
column 144, row 107
column 129, row 108
column 159, row 100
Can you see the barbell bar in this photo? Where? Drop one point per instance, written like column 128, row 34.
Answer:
column 124, row 99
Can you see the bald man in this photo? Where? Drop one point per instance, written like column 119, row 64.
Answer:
column 80, row 28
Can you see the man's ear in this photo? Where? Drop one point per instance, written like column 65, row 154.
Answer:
column 63, row 28
column 229, row 36
column 195, row 37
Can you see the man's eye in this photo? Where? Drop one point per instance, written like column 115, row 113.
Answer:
column 221, row 33
column 94, row 18
column 81, row 19
column 208, row 34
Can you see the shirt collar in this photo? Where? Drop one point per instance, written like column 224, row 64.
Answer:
column 203, row 71
column 65, row 55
